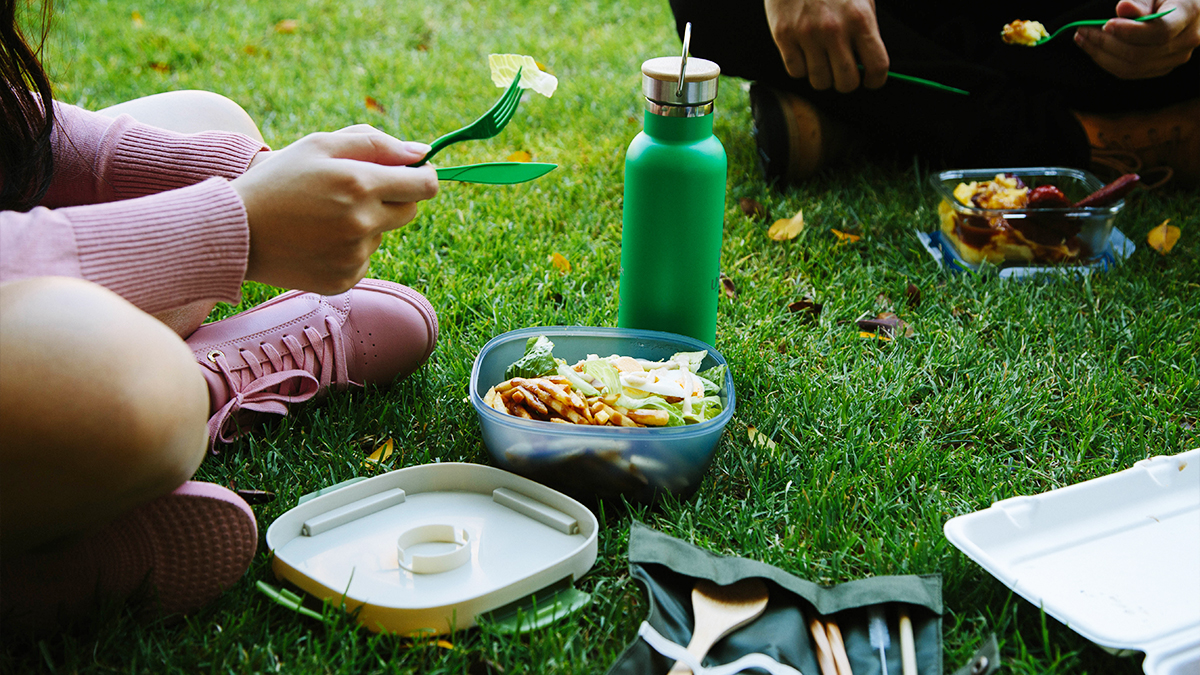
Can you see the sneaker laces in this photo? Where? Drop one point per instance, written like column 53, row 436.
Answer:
column 281, row 379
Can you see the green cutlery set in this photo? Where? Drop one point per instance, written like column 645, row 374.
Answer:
column 488, row 125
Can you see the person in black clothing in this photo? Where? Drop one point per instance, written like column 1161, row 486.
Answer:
column 1125, row 95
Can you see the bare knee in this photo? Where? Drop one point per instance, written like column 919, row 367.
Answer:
column 188, row 111
column 101, row 406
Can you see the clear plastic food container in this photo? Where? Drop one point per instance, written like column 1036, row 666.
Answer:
column 640, row 464
column 1026, row 236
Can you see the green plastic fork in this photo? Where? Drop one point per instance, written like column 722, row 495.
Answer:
column 1097, row 22
column 489, row 123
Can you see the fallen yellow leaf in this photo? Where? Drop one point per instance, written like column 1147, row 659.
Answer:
column 373, row 105
column 873, row 336
column 759, row 439
column 519, row 156
column 138, row 21
column 845, row 236
column 381, row 454
column 787, row 228
column 286, row 26
column 560, row 261
column 1163, row 237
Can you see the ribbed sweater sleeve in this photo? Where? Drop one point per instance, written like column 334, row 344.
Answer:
column 144, row 212
column 159, row 252
column 103, row 159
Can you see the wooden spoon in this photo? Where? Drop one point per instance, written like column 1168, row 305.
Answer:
column 718, row 611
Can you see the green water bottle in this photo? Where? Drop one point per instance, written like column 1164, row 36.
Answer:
column 674, row 207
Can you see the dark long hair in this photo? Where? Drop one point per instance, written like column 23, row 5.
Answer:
column 26, row 159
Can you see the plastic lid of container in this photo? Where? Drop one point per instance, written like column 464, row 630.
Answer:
column 431, row 547
column 1114, row 558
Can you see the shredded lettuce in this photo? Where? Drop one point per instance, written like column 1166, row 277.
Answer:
column 704, row 409
column 713, row 379
column 691, row 359
column 537, row 361
column 653, row 403
column 577, row 383
column 710, row 387
column 602, row 370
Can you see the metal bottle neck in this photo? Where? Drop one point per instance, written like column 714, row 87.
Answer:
column 663, row 110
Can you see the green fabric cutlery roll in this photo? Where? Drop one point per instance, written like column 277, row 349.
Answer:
column 668, row 569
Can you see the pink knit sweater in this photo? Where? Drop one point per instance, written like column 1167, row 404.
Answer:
column 146, row 213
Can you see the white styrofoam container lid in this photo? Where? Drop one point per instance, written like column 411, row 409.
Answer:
column 1117, row 558
column 501, row 537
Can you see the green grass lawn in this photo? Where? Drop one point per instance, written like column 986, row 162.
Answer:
column 1006, row 389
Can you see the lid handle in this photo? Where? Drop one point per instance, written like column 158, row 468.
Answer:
column 435, row 563
column 687, row 41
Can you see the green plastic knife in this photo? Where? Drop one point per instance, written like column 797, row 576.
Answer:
column 495, row 173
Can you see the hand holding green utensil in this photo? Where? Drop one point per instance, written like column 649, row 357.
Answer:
column 1097, row 22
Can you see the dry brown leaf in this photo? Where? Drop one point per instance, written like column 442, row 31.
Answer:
column 787, row 228
column 250, row 49
column 1163, row 237
column 373, row 105
column 287, row 26
column 752, row 208
column 137, row 19
column 845, row 237
column 519, row 156
column 728, row 287
column 381, row 454
column 885, row 324
column 808, row 306
column 560, row 261
column 160, row 67
column 912, row 295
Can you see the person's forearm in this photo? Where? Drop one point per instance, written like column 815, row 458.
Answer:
column 102, row 159
column 159, row 252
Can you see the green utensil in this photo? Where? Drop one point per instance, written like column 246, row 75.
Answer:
column 1097, row 22
column 495, row 173
column 489, row 123
column 926, row 83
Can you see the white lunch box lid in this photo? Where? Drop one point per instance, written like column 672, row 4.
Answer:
column 1117, row 558
column 428, row 548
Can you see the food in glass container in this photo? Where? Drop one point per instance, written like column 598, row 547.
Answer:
column 1022, row 224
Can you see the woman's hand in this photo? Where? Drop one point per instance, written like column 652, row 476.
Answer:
column 1133, row 50
column 824, row 40
column 319, row 207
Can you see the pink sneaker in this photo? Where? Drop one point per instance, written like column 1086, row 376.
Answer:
column 184, row 549
column 295, row 346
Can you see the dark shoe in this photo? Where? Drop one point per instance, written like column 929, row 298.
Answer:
column 1162, row 145
column 794, row 139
